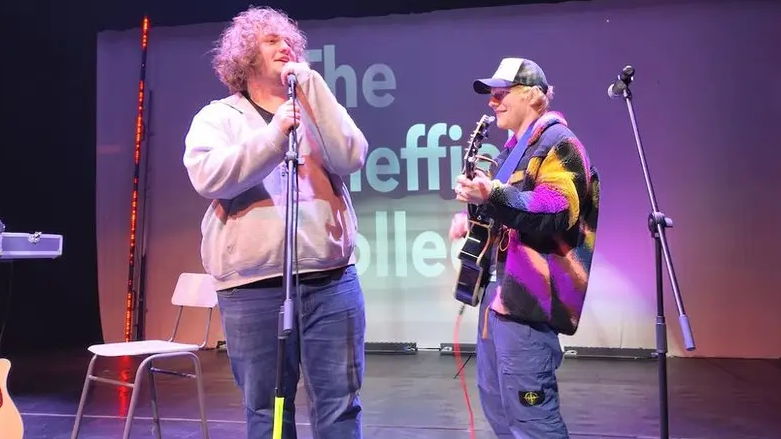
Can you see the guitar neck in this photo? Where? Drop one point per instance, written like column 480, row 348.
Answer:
column 469, row 169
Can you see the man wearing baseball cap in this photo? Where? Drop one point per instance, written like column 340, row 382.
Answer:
column 545, row 205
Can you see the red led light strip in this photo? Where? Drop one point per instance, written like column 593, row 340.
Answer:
column 130, row 299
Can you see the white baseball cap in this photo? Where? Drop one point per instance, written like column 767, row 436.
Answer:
column 513, row 71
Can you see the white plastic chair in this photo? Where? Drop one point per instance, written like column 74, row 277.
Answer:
column 192, row 290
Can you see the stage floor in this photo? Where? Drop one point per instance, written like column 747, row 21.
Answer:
column 415, row 396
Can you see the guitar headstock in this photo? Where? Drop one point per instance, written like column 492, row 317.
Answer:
column 475, row 141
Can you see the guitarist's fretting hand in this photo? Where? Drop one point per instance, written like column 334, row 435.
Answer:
column 474, row 191
column 458, row 226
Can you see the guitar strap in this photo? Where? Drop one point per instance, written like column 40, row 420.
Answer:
column 509, row 165
column 506, row 170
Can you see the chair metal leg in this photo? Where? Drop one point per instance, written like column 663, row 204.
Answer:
column 134, row 397
column 145, row 368
column 153, row 394
column 83, row 400
column 201, row 394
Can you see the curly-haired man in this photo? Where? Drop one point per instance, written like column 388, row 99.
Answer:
column 234, row 156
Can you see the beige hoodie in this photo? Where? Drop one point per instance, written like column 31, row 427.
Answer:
column 234, row 158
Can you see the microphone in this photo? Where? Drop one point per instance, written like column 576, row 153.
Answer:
column 291, row 94
column 616, row 89
column 291, row 85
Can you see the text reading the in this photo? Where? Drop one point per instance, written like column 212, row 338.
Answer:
column 375, row 83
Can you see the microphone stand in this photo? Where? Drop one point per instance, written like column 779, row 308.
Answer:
column 286, row 312
column 658, row 223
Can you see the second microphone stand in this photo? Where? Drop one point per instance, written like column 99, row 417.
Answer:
column 287, row 311
column 657, row 225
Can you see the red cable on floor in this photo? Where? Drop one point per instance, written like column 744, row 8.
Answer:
column 460, row 363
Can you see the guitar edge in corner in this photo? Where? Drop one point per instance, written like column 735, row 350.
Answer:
column 11, row 425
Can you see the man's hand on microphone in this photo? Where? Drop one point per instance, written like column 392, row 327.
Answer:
column 285, row 117
column 296, row 68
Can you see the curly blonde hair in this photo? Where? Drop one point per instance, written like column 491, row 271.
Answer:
column 236, row 53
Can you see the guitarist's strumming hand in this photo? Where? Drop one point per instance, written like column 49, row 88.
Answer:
column 474, row 191
column 458, row 226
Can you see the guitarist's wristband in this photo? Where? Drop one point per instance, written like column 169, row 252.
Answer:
column 495, row 184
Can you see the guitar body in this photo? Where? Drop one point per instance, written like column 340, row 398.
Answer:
column 475, row 257
column 474, row 274
column 11, row 424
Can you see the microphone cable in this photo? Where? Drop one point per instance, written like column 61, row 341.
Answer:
column 460, row 363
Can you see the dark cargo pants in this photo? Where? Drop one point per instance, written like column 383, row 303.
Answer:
column 516, row 376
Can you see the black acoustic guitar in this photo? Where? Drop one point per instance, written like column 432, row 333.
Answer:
column 474, row 275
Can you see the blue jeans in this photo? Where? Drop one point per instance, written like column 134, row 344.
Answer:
column 327, row 342
column 516, row 376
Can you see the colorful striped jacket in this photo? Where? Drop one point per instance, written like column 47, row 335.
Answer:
column 548, row 217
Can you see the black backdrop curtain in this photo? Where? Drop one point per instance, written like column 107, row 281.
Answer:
column 47, row 177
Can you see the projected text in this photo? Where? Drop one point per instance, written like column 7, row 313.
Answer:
column 424, row 150
column 376, row 81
